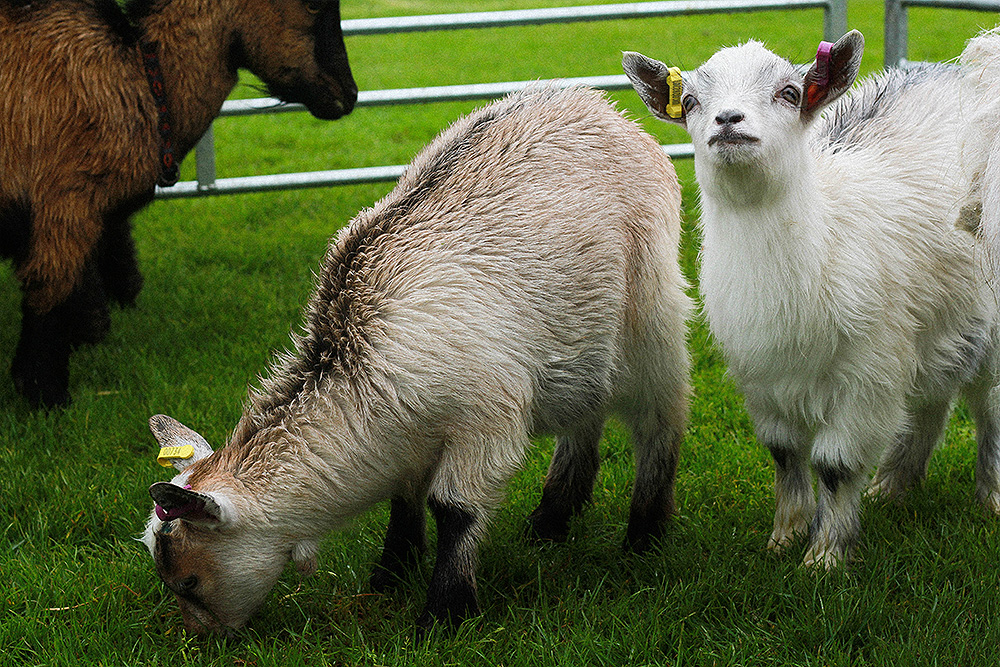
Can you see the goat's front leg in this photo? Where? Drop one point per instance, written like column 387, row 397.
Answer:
column 405, row 542
column 841, row 464
column 794, row 500
column 467, row 485
column 64, row 302
column 41, row 362
column 451, row 593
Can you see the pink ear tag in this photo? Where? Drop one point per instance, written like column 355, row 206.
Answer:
column 823, row 63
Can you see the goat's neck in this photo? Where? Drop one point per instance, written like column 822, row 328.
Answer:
column 766, row 239
column 196, row 41
column 317, row 466
column 777, row 210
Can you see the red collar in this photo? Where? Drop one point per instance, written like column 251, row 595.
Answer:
column 169, row 171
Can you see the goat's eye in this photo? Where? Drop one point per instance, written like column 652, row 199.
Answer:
column 314, row 6
column 791, row 95
column 689, row 102
column 187, row 584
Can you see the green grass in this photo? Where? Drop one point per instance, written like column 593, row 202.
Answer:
column 226, row 279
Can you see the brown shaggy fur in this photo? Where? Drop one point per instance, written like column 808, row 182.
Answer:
column 78, row 135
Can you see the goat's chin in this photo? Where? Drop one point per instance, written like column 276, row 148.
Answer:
column 729, row 153
column 734, row 155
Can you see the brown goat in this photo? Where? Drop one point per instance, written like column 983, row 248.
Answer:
column 82, row 142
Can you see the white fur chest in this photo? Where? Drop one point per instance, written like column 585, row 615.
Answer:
column 762, row 281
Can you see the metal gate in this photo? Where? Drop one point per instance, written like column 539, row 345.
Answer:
column 834, row 25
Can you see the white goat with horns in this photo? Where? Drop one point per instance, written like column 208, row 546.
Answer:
column 850, row 308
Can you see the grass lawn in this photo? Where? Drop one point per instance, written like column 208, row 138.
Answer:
column 226, row 279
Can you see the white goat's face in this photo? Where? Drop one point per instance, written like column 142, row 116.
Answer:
column 220, row 571
column 212, row 545
column 743, row 106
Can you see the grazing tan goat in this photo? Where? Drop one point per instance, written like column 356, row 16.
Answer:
column 98, row 105
column 522, row 278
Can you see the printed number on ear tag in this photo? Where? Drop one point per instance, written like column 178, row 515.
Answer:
column 168, row 454
column 675, row 86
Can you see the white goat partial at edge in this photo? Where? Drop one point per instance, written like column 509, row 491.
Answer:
column 849, row 307
column 981, row 142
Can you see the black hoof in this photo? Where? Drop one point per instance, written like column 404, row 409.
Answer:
column 547, row 525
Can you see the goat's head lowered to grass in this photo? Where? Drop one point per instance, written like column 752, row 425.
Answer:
column 297, row 48
column 210, row 547
column 746, row 105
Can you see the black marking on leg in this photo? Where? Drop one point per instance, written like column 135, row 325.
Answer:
column 451, row 594
column 40, row 368
column 652, row 505
column 831, row 475
column 405, row 544
column 116, row 254
column 550, row 520
column 781, row 455
column 568, row 487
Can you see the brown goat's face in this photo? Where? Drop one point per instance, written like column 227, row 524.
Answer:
column 297, row 48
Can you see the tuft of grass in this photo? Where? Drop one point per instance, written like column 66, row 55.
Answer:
column 226, row 279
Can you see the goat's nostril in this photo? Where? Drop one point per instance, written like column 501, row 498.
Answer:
column 730, row 117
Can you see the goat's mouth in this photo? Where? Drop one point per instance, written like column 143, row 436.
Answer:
column 728, row 137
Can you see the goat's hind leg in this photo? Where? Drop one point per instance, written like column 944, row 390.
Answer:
column 657, row 437
column 405, row 542
column 983, row 400
column 569, row 483
column 904, row 464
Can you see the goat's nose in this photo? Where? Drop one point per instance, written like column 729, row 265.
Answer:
column 729, row 117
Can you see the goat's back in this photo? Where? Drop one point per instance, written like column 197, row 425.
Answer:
column 521, row 257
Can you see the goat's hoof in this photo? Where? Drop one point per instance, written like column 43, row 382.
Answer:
column 40, row 393
column 824, row 559
column 384, row 579
column 990, row 500
column 449, row 613
column 547, row 526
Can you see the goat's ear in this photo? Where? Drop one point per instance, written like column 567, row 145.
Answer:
column 650, row 79
column 179, row 445
column 833, row 72
column 176, row 502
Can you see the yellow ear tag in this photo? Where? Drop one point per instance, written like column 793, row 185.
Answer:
column 675, row 86
column 168, row 454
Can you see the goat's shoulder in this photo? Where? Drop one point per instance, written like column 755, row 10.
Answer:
column 886, row 99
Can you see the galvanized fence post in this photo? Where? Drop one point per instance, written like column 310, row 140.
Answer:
column 204, row 155
column 895, row 33
column 835, row 20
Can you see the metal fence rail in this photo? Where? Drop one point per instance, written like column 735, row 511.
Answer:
column 207, row 184
column 896, row 22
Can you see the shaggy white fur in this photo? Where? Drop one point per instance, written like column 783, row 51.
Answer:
column 849, row 307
